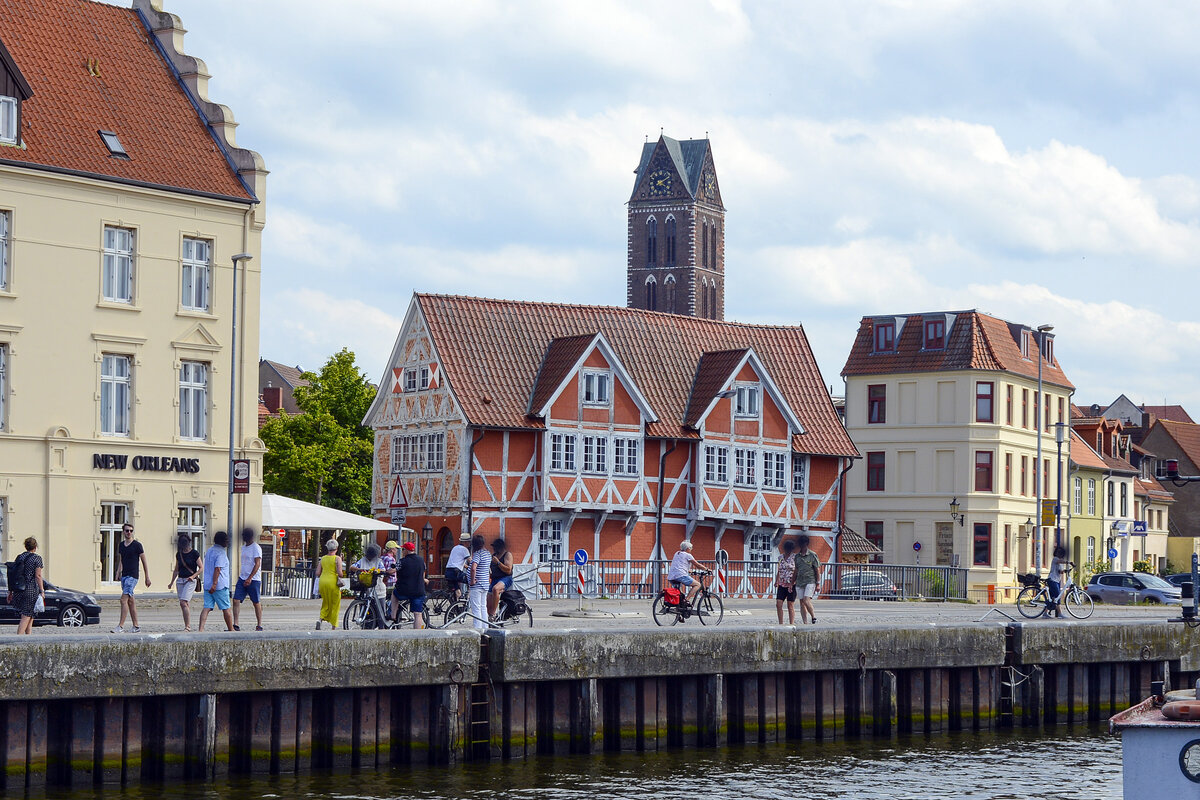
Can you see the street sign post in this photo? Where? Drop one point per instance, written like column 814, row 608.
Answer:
column 581, row 559
column 1112, row 552
column 398, row 503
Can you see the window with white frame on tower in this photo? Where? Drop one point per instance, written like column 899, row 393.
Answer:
column 196, row 277
column 550, row 541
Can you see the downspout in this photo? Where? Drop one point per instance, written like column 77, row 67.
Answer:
column 470, row 471
column 658, row 516
column 241, row 411
column 837, row 537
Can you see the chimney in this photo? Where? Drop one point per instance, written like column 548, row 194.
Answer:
column 273, row 398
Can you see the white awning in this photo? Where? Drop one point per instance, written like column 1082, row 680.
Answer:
column 285, row 512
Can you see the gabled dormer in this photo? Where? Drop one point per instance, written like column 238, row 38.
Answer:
column 14, row 91
column 885, row 333
column 935, row 331
column 582, row 378
column 739, row 378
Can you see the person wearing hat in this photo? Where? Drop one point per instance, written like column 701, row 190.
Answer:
column 410, row 584
column 389, row 558
column 329, row 570
column 456, row 566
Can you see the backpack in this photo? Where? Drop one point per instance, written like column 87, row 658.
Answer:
column 671, row 596
column 16, row 577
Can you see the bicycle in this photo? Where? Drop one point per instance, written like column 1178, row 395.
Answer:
column 512, row 610
column 1034, row 600
column 438, row 602
column 706, row 607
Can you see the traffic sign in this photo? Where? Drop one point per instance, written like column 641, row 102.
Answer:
column 722, row 558
column 399, row 498
column 916, row 547
column 1112, row 552
column 399, row 515
column 581, row 556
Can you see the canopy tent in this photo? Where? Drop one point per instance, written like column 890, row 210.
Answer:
column 286, row 512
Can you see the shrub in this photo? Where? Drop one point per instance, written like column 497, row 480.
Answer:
column 1141, row 566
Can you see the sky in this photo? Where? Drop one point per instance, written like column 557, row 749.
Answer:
column 1031, row 160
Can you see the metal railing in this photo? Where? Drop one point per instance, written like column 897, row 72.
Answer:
column 619, row 579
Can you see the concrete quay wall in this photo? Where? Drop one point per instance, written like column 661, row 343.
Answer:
column 82, row 710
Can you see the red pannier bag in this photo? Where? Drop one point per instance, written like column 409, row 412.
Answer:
column 671, row 596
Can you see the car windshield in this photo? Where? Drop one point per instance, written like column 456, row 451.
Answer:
column 1154, row 582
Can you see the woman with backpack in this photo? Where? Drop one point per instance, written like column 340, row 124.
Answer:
column 25, row 585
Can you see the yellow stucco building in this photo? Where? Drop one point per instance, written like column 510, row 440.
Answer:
column 123, row 198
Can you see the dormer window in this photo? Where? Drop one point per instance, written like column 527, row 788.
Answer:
column 8, row 120
column 115, row 148
column 885, row 337
column 596, row 388
column 1048, row 349
column 745, row 403
column 1025, row 336
column 935, row 334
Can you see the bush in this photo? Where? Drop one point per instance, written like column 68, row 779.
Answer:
column 1141, row 566
column 1091, row 568
column 935, row 582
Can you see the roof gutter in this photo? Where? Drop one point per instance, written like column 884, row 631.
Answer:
column 75, row 173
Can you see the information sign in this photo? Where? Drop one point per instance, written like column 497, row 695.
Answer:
column 581, row 556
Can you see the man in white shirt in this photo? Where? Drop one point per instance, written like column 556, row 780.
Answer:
column 456, row 566
column 249, row 579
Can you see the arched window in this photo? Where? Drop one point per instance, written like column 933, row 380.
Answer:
column 670, row 241
column 702, row 299
column 715, row 260
column 651, row 241
column 651, row 294
column 712, row 300
column 704, row 244
column 670, row 282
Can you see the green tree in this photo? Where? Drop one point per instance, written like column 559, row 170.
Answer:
column 324, row 454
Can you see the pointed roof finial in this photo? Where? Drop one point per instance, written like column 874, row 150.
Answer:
column 660, row 130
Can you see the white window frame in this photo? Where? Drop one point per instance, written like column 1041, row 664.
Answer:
column 625, row 455
column 760, row 555
column 1078, row 506
column 746, row 401
column 397, row 442
column 5, row 246
column 745, row 466
column 799, row 473
column 195, row 274
column 595, row 455
column 3, row 523
column 410, row 379
column 115, row 391
column 550, row 541
column 192, row 520
column 418, row 452
column 3, row 386
column 9, row 133
column 562, row 452
column 193, row 401
column 423, row 377
column 597, row 388
column 113, row 516
column 1091, row 497
column 437, row 452
column 117, row 265
column 774, row 470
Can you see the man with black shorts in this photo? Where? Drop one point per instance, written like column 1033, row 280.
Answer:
column 785, row 583
column 456, row 565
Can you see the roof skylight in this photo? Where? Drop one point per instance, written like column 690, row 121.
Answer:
column 115, row 148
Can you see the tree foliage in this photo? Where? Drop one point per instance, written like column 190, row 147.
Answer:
column 323, row 455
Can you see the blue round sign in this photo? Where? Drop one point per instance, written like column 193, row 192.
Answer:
column 1112, row 553
column 917, row 546
column 581, row 556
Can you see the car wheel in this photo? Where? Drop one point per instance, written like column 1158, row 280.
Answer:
column 72, row 616
column 1151, row 600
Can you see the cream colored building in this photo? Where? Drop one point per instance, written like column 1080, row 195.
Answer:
column 944, row 407
column 121, row 205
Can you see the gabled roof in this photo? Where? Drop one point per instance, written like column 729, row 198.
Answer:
column 1118, row 464
column 1172, row 413
column 1152, row 489
column 10, row 65
column 973, row 341
column 1186, row 435
column 565, row 358
column 713, row 373
column 686, row 155
column 1082, row 454
column 493, row 350
column 93, row 67
column 292, row 376
column 852, row 543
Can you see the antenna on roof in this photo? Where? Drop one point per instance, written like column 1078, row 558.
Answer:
column 660, row 130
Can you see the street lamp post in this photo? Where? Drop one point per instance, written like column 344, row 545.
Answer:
column 1060, row 435
column 233, row 376
column 1042, row 330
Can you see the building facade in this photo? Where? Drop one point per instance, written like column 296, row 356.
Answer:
column 1119, row 504
column 619, row 431
column 676, row 236
column 945, row 407
column 123, row 198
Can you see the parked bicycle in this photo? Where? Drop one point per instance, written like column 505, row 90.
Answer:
column 1034, row 600
column 671, row 604
column 512, row 611
column 367, row 611
column 439, row 601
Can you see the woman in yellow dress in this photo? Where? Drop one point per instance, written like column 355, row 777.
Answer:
column 329, row 569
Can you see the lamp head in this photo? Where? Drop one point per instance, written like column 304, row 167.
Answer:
column 1045, row 328
column 242, row 257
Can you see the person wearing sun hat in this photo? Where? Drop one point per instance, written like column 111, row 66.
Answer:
column 389, row 562
column 410, row 584
column 456, row 574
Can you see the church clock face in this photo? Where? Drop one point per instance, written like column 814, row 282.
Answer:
column 660, row 183
column 710, row 185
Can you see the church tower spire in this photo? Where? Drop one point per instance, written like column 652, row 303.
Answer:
column 676, row 237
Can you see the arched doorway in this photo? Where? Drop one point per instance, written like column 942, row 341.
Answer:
column 446, row 542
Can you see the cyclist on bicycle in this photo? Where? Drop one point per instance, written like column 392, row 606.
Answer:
column 681, row 564
column 370, row 571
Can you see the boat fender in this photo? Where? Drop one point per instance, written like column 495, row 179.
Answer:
column 1182, row 710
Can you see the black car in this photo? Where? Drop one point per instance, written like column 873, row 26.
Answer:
column 865, row 584
column 64, row 607
column 1178, row 580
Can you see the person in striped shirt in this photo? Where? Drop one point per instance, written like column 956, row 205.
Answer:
column 479, row 571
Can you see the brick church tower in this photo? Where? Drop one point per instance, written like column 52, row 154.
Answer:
column 677, row 231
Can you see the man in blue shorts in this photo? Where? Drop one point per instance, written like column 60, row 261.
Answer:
column 249, row 583
column 130, row 556
column 410, row 584
column 216, row 580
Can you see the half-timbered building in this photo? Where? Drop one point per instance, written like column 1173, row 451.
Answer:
column 620, row 431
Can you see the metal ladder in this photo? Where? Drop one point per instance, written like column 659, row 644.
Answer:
column 479, row 710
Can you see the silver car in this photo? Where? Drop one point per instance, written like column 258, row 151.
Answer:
column 1132, row 587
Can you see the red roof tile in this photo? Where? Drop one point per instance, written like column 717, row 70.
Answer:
column 1083, row 455
column 1170, row 413
column 1186, row 435
column 1152, row 489
column 561, row 355
column 974, row 341
column 491, row 351
column 135, row 94
column 712, row 373
column 852, row 543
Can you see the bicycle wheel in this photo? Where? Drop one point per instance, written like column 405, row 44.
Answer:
column 1079, row 604
column 709, row 609
column 357, row 616
column 663, row 614
column 437, row 604
column 1030, row 603
column 456, row 613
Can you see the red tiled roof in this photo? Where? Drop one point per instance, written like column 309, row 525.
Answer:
column 1152, row 489
column 491, row 351
column 852, row 543
column 975, row 341
column 1083, row 455
column 712, row 373
column 1186, row 435
column 264, row 414
column 135, row 94
column 1118, row 464
column 561, row 355
column 1170, row 413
